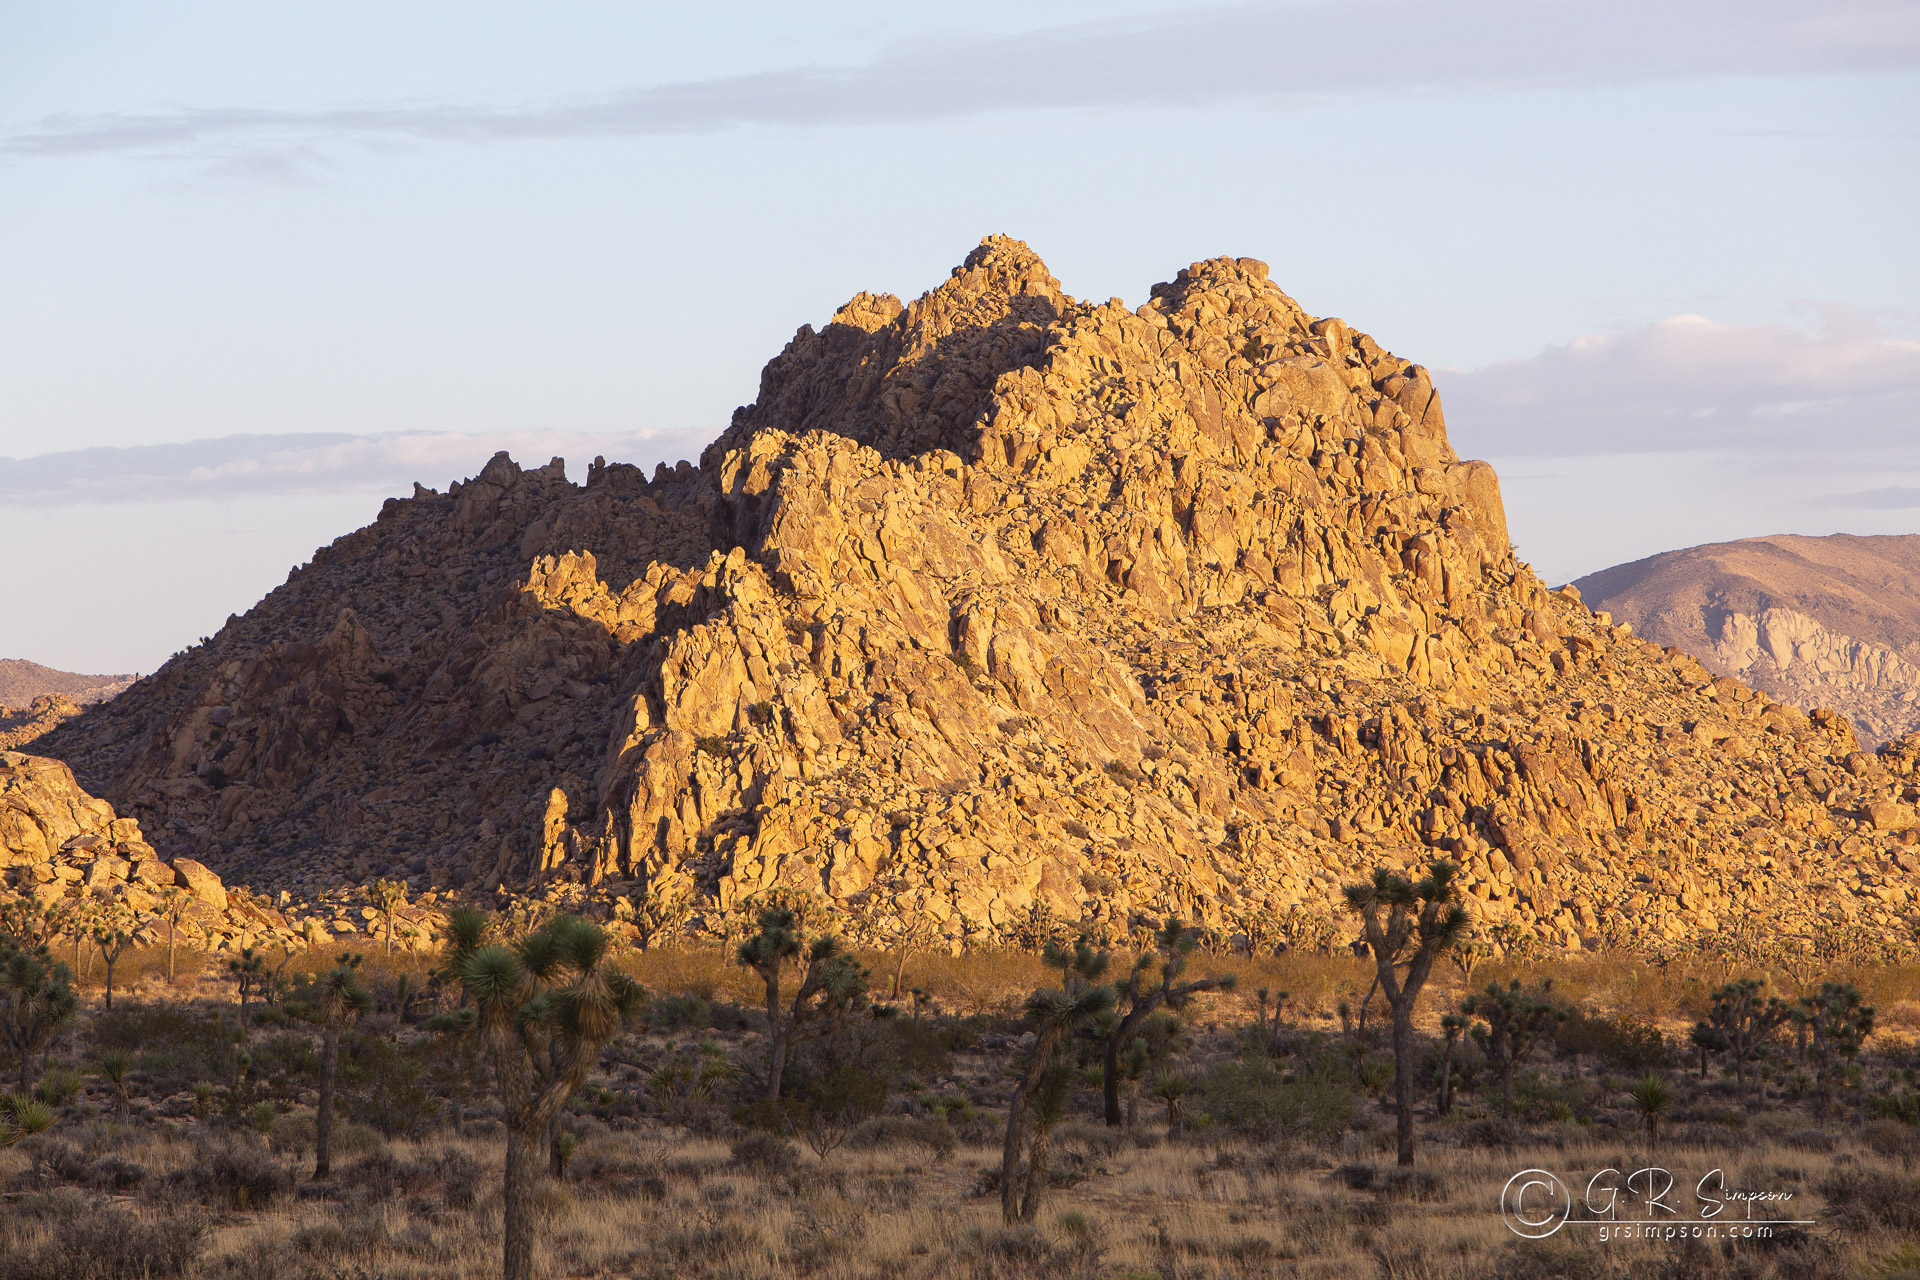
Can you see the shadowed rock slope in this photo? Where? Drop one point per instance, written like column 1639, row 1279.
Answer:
column 995, row 609
column 33, row 698
column 1820, row 622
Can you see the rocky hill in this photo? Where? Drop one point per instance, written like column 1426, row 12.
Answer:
column 1819, row 622
column 34, row 698
column 999, row 609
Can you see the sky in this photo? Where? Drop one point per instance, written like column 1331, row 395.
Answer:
column 266, row 265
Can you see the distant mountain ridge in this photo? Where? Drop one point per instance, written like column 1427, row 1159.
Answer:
column 22, row 681
column 1831, row 621
column 35, row 699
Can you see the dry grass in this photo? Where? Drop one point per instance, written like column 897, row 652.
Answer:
column 663, row 1203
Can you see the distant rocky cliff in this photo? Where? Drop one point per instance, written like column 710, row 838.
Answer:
column 1000, row 610
column 1820, row 622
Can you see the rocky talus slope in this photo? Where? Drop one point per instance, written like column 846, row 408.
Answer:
column 1820, row 622
column 1000, row 608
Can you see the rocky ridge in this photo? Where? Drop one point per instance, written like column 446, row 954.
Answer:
column 1831, row 621
column 998, row 610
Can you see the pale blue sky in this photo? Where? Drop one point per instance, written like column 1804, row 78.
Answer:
column 580, row 228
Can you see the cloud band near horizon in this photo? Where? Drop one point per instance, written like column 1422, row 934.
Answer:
column 1685, row 384
column 1275, row 53
column 333, row 462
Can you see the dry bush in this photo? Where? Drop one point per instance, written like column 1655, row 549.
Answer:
column 67, row 1236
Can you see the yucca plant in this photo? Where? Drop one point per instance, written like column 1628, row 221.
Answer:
column 545, row 1006
column 114, row 1066
column 22, row 1117
column 1651, row 1096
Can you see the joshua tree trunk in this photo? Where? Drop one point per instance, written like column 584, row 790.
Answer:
column 1038, row 1153
column 323, row 1115
column 173, row 927
column 523, row 1172
column 777, row 1060
column 1446, row 1079
column 1016, row 1125
column 110, row 962
column 1506, row 1091
column 1403, row 1079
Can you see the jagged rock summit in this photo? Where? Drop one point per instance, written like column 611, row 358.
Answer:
column 999, row 609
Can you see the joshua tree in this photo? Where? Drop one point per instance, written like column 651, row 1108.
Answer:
column 832, row 991
column 1838, row 1022
column 1408, row 926
column 111, row 937
column 36, row 1000
column 545, row 1006
column 1451, row 1025
column 173, row 904
column 249, row 974
column 1049, row 1108
column 1708, row 1038
column 1516, row 1021
column 341, row 1000
column 1057, row 1013
column 388, row 897
column 1173, row 944
column 1746, row 1020
column 1651, row 1097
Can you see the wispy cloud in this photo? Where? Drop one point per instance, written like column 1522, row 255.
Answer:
column 1892, row 498
column 1689, row 383
column 244, row 466
column 1287, row 52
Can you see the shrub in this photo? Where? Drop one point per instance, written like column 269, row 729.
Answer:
column 104, row 1243
column 382, row 1086
column 1621, row 1042
column 1258, row 1099
column 765, row 1154
column 690, row 1011
column 234, row 1170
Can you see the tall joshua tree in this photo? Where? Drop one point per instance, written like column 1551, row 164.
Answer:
column 545, row 1005
column 173, row 904
column 1408, row 926
column 1057, row 1013
column 341, row 1002
column 1173, row 944
column 832, row 990
column 112, row 934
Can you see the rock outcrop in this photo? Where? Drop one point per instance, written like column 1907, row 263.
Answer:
column 60, row 845
column 1819, row 622
column 995, row 610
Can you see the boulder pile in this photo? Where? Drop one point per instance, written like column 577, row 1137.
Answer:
column 998, row 610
